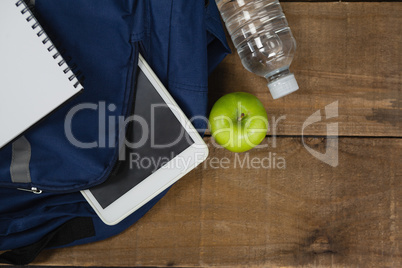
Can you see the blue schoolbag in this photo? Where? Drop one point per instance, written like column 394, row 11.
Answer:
column 182, row 40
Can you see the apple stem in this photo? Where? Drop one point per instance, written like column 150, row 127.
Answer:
column 240, row 117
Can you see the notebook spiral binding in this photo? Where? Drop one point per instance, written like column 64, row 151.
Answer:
column 71, row 72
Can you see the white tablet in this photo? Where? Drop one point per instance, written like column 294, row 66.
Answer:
column 163, row 147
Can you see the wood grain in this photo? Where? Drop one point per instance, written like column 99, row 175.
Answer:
column 347, row 52
column 308, row 214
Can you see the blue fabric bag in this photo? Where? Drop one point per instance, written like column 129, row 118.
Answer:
column 182, row 40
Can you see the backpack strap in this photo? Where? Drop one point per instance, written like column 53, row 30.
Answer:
column 75, row 229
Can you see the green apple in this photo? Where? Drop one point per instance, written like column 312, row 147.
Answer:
column 238, row 121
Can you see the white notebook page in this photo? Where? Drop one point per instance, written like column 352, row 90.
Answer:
column 32, row 84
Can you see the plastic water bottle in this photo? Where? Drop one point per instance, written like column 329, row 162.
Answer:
column 263, row 39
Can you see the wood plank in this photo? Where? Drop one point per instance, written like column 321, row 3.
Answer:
column 308, row 214
column 347, row 52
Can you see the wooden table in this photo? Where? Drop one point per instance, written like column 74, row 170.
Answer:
column 308, row 213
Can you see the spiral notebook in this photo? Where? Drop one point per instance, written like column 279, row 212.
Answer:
column 35, row 79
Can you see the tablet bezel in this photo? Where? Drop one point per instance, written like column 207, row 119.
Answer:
column 165, row 176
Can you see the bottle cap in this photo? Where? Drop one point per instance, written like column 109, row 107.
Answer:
column 283, row 86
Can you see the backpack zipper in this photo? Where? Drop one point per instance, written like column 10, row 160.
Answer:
column 33, row 190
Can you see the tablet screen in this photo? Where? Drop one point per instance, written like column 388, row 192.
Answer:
column 156, row 136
